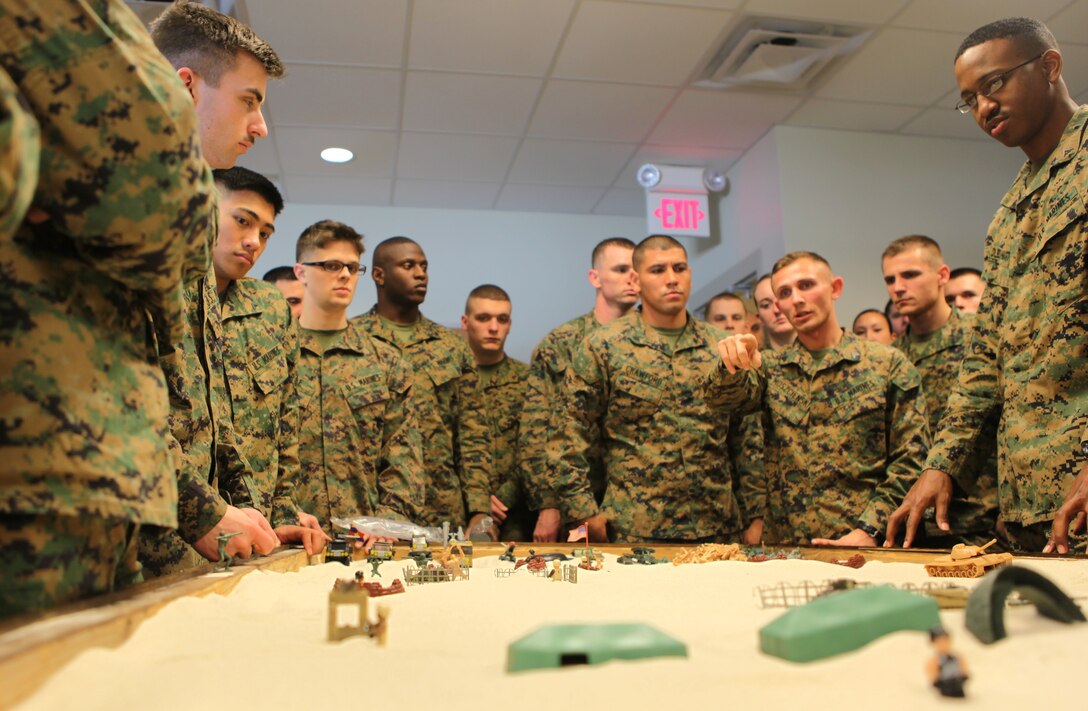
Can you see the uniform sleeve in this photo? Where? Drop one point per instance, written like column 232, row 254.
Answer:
column 975, row 396
column 582, row 399
column 746, row 453
column 284, row 508
column 473, row 441
column 401, row 484
column 540, row 390
column 739, row 393
column 20, row 146
column 123, row 177
column 907, row 443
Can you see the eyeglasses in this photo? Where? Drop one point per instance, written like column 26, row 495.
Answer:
column 335, row 266
column 991, row 87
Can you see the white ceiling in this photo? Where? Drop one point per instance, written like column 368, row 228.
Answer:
column 551, row 105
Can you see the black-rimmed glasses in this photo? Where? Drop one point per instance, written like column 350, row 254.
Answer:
column 335, row 266
column 991, row 86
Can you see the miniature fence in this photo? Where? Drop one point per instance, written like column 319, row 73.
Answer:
column 792, row 595
column 505, row 572
column 422, row 576
column 570, row 573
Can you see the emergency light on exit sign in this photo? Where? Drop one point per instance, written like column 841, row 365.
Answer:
column 676, row 198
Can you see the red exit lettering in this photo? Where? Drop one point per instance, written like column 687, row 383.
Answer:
column 679, row 214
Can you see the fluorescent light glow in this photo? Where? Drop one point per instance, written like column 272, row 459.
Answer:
column 337, row 155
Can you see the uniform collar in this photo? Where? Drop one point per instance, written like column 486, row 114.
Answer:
column 847, row 349
column 238, row 300
column 426, row 329
column 1068, row 146
column 353, row 339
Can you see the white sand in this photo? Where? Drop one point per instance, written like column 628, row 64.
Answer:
column 264, row 647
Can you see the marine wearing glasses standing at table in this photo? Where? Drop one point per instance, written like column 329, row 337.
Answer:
column 1028, row 357
column 359, row 446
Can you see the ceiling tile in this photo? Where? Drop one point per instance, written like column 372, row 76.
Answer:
column 912, row 67
column 660, row 45
column 441, row 156
column 593, row 111
column 337, row 96
column 337, row 191
column 968, row 15
column 721, row 118
column 469, row 103
column 870, row 12
column 300, row 151
column 445, row 194
column 851, row 115
column 359, row 32
column 629, row 202
column 1068, row 25
column 548, row 198
column 576, row 163
column 713, row 4
column 945, row 123
column 500, row 36
column 715, row 158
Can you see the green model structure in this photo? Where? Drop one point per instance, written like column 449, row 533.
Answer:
column 845, row 621
column 554, row 646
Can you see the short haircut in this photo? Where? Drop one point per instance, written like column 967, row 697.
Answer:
column 760, row 280
column 884, row 316
column 727, row 296
column 797, row 256
column 605, row 244
column 1031, row 35
column 910, row 242
column 323, row 233
column 280, row 274
column 654, row 242
column 487, row 291
column 381, row 255
column 964, row 271
column 208, row 42
column 239, row 179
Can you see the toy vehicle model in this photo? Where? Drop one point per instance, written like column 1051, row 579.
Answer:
column 640, row 555
column 382, row 550
column 339, row 551
column 967, row 562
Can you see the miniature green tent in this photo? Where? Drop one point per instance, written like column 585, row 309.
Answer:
column 844, row 621
column 555, row 646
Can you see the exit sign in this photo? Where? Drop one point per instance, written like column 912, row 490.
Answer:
column 677, row 214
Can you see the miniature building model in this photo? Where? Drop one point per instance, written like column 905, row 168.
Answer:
column 554, row 646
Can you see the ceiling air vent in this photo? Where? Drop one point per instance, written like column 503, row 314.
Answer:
column 774, row 53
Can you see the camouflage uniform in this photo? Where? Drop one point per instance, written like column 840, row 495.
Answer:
column 126, row 193
column 260, row 356
column 212, row 472
column 456, row 442
column 664, row 451
column 746, row 455
column 843, row 439
column 20, row 150
column 503, row 396
column 1028, row 355
column 359, row 440
column 937, row 356
column 548, row 366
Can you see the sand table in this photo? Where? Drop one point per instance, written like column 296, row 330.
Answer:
column 264, row 647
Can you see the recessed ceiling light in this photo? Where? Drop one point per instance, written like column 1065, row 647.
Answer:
column 337, row 155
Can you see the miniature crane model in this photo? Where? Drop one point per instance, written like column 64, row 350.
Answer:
column 967, row 562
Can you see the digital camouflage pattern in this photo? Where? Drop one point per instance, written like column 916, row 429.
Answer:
column 20, row 149
column 665, row 452
column 449, row 413
column 126, row 199
column 843, row 439
column 547, row 369
column 1028, row 356
column 212, row 473
column 746, row 454
column 503, row 396
column 937, row 357
column 49, row 560
column 260, row 356
column 359, row 440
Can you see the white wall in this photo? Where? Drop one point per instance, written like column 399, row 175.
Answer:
column 846, row 195
column 540, row 259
